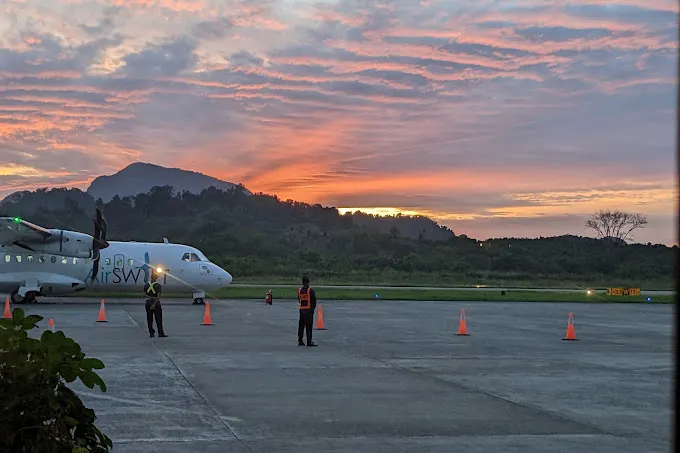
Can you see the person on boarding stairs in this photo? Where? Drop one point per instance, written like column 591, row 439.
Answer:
column 307, row 301
column 153, row 305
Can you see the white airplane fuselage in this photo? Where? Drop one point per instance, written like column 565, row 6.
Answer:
column 123, row 267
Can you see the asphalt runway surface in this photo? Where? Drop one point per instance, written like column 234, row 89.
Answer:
column 386, row 377
column 652, row 292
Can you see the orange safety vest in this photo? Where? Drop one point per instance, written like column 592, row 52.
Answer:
column 305, row 298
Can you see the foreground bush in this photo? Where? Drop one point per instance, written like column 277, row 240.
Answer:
column 38, row 412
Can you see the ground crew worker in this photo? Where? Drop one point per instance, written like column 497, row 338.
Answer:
column 307, row 301
column 268, row 298
column 153, row 305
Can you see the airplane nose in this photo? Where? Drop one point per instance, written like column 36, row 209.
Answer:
column 224, row 277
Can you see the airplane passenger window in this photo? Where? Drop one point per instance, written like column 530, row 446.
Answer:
column 29, row 259
column 130, row 262
column 18, row 258
column 108, row 261
column 64, row 260
column 53, row 259
column 8, row 258
column 75, row 260
column 41, row 259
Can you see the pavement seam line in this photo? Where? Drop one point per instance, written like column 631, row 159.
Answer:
column 476, row 390
column 484, row 392
column 199, row 393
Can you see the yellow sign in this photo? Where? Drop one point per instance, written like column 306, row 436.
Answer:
column 623, row 291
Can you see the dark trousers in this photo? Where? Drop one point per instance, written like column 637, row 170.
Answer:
column 158, row 313
column 305, row 322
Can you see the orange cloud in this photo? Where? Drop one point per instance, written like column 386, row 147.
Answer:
column 42, row 74
column 193, row 6
column 554, row 17
column 27, row 172
column 658, row 5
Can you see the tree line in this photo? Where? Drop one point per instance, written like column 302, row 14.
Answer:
column 260, row 237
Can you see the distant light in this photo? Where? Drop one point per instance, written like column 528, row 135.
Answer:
column 376, row 296
column 589, row 292
column 159, row 270
column 17, row 220
column 649, row 299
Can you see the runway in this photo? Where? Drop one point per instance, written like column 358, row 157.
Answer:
column 386, row 377
column 643, row 292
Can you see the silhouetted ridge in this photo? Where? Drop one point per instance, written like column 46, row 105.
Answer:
column 140, row 177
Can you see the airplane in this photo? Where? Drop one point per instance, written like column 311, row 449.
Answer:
column 37, row 261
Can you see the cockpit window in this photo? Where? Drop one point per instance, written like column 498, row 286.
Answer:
column 190, row 257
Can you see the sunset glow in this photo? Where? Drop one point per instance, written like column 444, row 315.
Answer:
column 494, row 118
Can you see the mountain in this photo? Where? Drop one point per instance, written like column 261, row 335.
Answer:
column 141, row 177
column 73, row 208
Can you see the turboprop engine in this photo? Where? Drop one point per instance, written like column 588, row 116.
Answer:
column 62, row 243
column 20, row 233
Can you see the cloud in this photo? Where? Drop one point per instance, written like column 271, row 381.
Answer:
column 165, row 59
column 482, row 114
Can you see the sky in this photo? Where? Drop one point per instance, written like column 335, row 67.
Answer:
column 495, row 118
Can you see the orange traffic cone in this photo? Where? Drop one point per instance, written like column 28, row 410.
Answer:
column 51, row 323
column 462, row 325
column 102, row 313
column 206, row 317
column 571, row 334
column 8, row 313
column 319, row 320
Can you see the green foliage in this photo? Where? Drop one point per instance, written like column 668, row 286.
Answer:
column 38, row 412
column 259, row 237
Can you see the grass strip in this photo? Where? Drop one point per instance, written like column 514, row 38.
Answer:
column 491, row 295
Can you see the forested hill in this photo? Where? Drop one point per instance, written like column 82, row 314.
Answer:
column 259, row 237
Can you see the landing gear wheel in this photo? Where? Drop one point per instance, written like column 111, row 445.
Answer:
column 16, row 299
column 199, row 301
column 31, row 297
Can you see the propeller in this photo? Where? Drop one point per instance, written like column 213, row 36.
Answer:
column 98, row 242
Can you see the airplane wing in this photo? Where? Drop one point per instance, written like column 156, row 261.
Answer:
column 13, row 229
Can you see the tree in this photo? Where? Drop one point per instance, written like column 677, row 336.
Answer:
column 38, row 412
column 616, row 225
